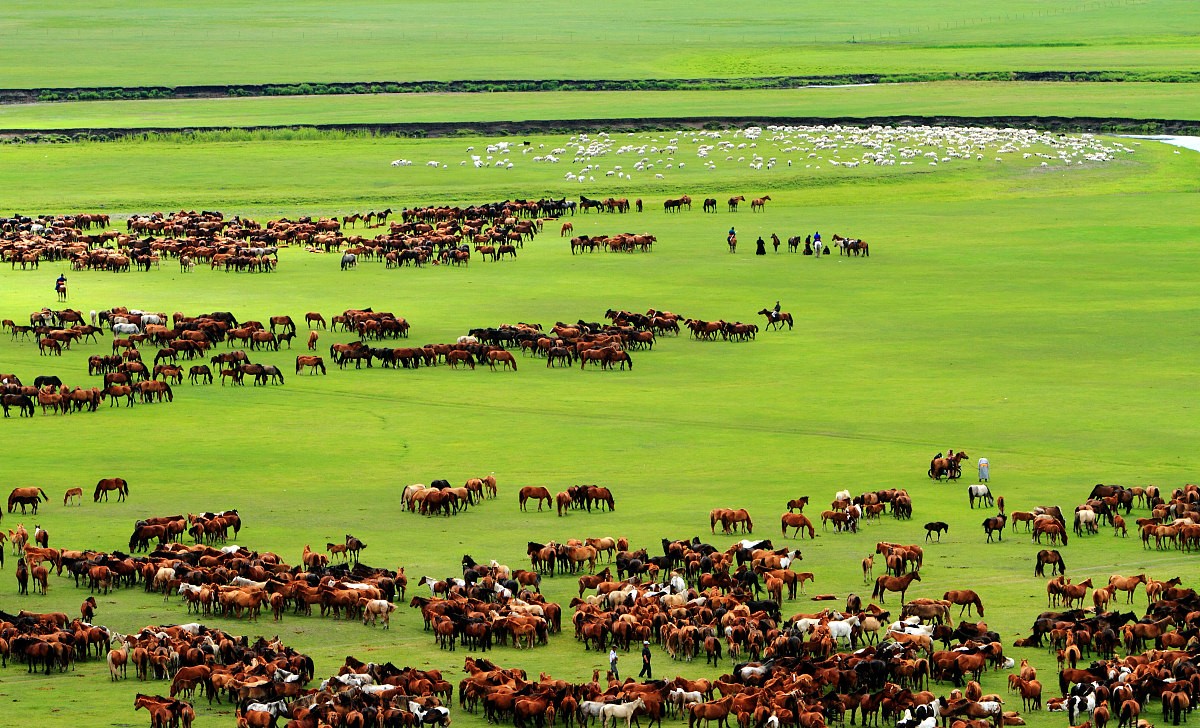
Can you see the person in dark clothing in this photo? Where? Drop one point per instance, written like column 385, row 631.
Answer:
column 646, row 661
column 761, row 246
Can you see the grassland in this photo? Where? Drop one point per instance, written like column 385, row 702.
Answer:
column 156, row 42
column 1039, row 317
column 982, row 100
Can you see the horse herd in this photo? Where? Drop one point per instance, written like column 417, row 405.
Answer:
column 693, row 598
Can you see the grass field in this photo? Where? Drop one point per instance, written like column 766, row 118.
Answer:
column 1037, row 316
column 1131, row 100
column 156, row 42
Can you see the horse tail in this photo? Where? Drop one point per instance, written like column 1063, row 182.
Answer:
column 878, row 591
column 42, row 493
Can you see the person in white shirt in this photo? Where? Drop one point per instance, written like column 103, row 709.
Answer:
column 612, row 663
column 983, row 470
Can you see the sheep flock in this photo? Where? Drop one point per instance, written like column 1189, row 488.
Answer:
column 631, row 155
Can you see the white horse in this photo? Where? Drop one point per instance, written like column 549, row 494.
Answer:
column 624, row 711
column 981, row 493
column 842, row 495
column 843, row 629
column 589, row 709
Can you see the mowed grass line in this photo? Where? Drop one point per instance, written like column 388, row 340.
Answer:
column 1003, row 311
column 159, row 43
column 1100, row 100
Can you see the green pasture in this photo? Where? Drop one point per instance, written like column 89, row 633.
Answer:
column 1041, row 317
column 969, row 99
column 155, row 42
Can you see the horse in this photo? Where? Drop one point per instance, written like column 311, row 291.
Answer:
column 759, row 204
column 733, row 202
column 798, row 521
column 504, row 357
column 797, row 504
column 1052, row 557
column 995, row 525
column 200, row 372
column 538, row 492
column 623, row 711
column 936, row 527
column 314, row 317
column 312, row 362
column 353, row 547
column 26, row 496
column 349, row 260
column 947, row 466
column 776, row 320
column 732, row 240
column 900, row 584
column 982, row 494
column 710, row 204
column 107, row 484
column 76, row 493
column 966, row 599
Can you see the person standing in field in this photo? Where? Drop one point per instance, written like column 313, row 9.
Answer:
column 612, row 663
column 983, row 470
column 646, row 661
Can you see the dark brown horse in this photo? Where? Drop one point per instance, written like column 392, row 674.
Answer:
column 1052, row 557
column 537, row 492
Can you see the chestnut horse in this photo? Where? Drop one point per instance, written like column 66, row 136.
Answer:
column 26, row 496
column 773, row 322
column 107, row 484
column 900, row 584
column 537, row 492
column 76, row 493
column 798, row 521
column 947, row 466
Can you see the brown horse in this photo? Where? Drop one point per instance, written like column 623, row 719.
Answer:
column 759, row 204
column 900, row 584
column 504, row 357
column 966, row 599
column 537, row 492
column 797, row 504
column 107, row 484
column 947, row 466
column 1051, row 557
column 733, row 202
column 313, row 317
column 76, row 493
column 731, row 519
column 26, row 496
column 776, row 320
column 312, row 362
column 798, row 521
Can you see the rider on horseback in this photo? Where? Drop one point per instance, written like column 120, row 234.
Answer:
column 775, row 313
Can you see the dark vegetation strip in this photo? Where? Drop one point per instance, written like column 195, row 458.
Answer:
column 118, row 93
column 419, row 130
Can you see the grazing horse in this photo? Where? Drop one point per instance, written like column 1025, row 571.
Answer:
column 995, row 525
column 538, row 492
column 948, row 466
column 798, row 521
column 776, row 320
column 107, row 484
column 1052, row 557
column 710, row 204
column 76, row 493
column 966, row 599
column 200, row 372
column 504, row 357
column 733, row 202
column 980, row 493
column 26, row 496
column 900, row 584
column 759, row 204
column 312, row 362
